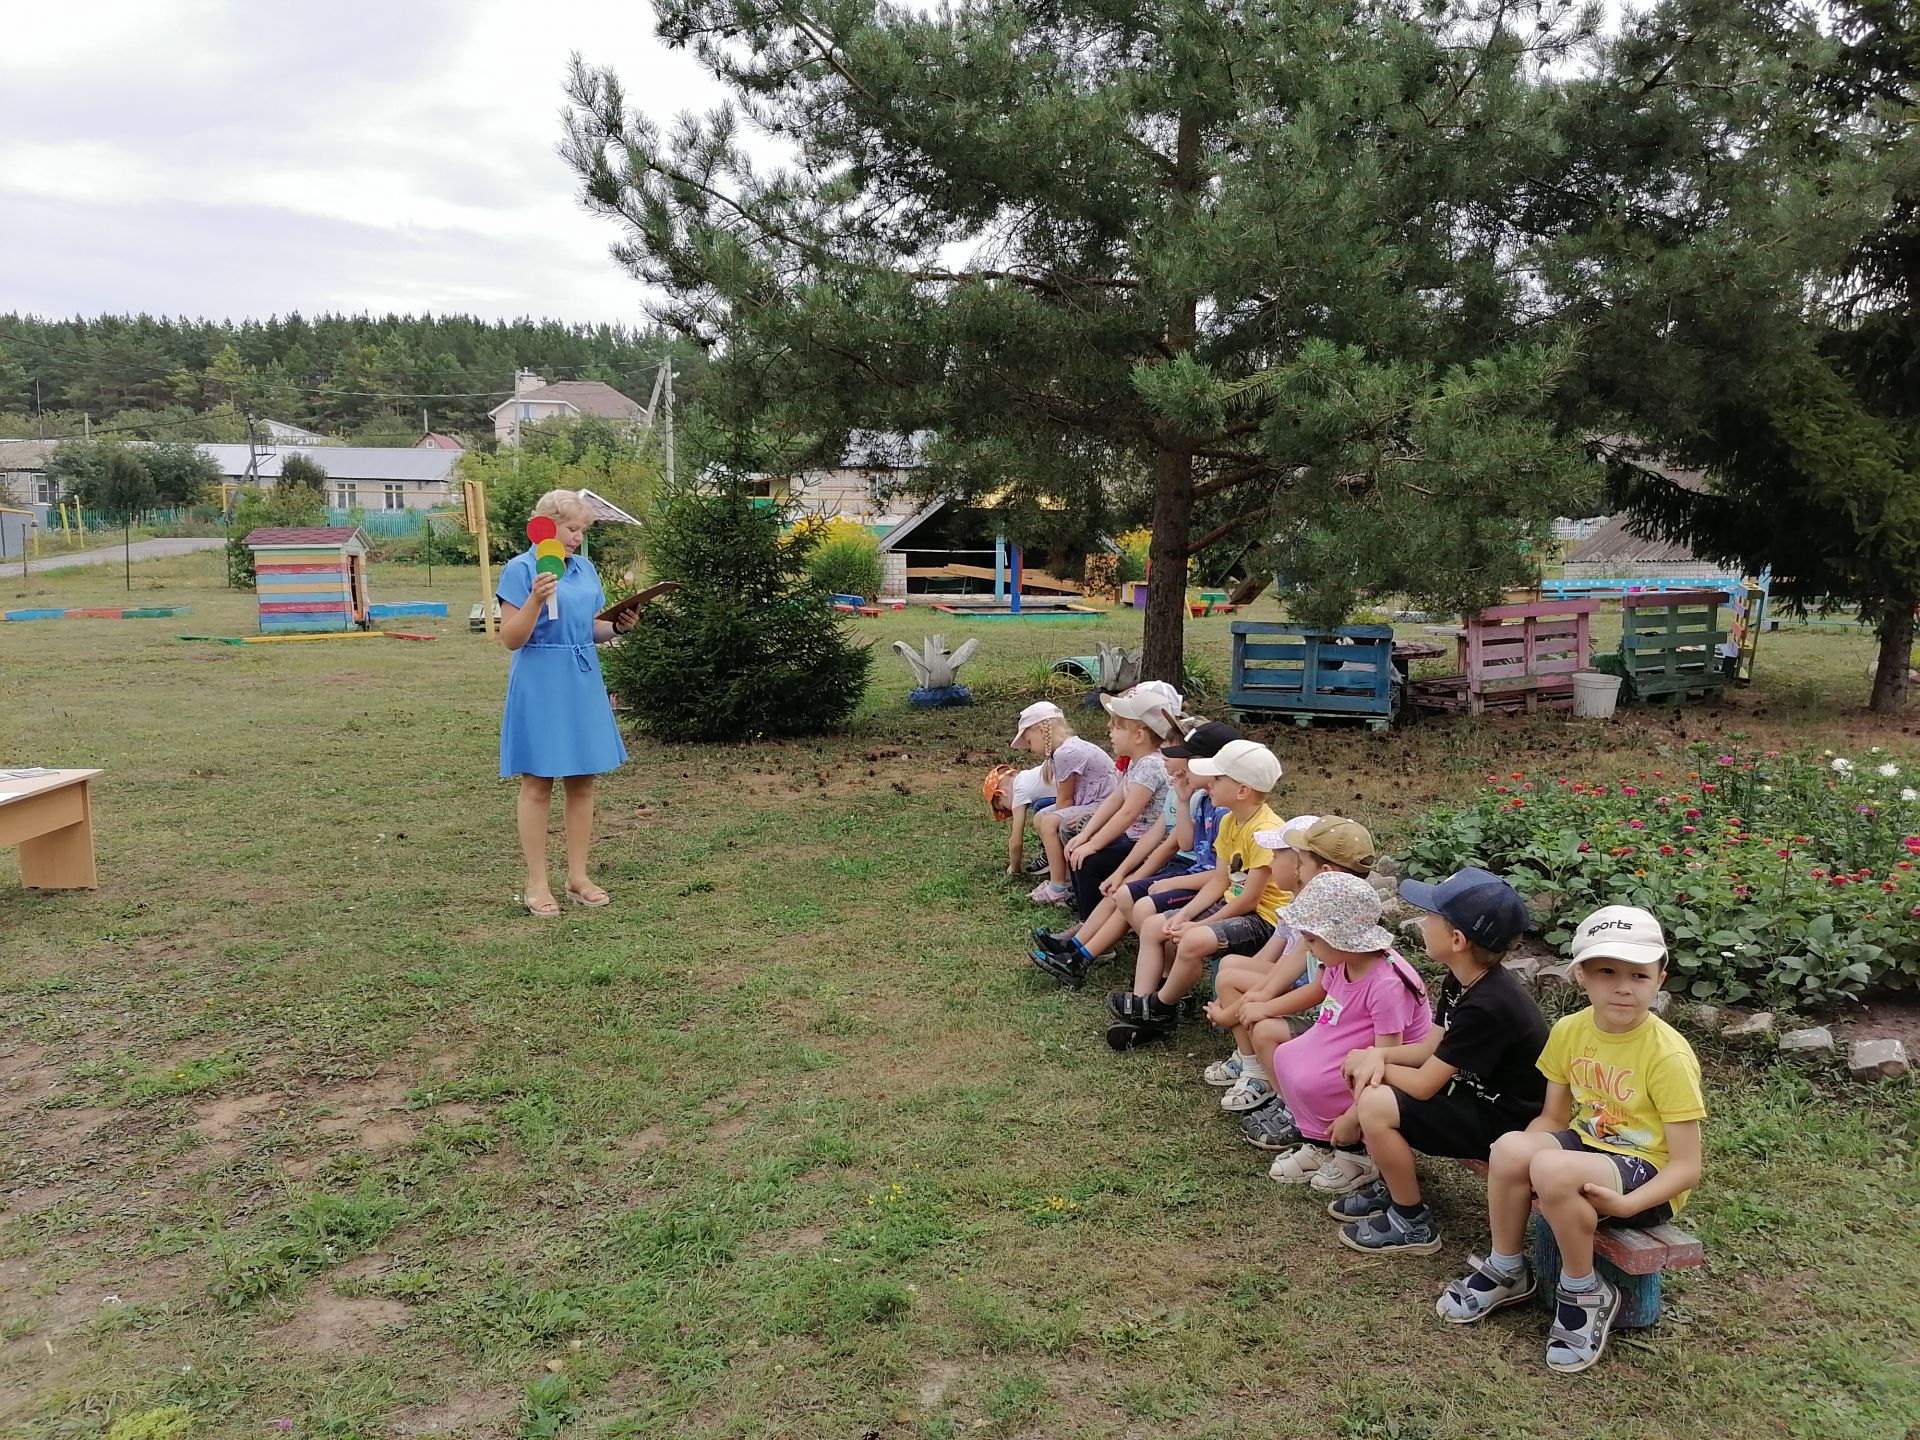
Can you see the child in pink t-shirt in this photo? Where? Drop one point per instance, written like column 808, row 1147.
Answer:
column 1370, row 996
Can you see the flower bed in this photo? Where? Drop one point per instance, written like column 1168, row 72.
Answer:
column 1781, row 877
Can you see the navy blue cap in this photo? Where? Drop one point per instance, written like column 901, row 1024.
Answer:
column 1203, row 742
column 1477, row 903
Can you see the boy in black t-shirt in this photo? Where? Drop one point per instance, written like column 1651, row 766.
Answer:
column 1469, row 1081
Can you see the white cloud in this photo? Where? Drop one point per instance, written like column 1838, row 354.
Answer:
column 220, row 158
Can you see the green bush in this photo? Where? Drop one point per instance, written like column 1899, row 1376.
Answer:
column 847, row 566
column 1781, row 877
column 747, row 647
column 258, row 509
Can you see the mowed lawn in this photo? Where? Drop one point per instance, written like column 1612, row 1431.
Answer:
column 304, row 1126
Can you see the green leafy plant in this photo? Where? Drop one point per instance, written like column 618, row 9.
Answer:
column 845, row 565
column 747, row 647
column 1778, row 877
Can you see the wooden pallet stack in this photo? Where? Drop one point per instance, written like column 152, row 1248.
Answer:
column 1515, row 659
column 1308, row 674
column 1670, row 644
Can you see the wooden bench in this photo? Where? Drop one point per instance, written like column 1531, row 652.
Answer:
column 1307, row 673
column 1670, row 644
column 1519, row 658
column 1632, row 1260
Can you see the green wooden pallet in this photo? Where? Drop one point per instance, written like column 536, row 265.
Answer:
column 1670, row 645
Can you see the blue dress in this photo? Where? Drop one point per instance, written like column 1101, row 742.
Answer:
column 558, row 720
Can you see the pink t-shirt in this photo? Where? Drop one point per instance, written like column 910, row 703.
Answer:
column 1389, row 997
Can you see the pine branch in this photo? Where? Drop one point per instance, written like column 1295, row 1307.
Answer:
column 1224, row 529
column 1045, row 287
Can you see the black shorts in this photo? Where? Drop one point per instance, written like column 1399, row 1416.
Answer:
column 1453, row 1123
column 1633, row 1172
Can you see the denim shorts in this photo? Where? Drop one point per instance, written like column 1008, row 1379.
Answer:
column 1137, row 889
column 1633, row 1171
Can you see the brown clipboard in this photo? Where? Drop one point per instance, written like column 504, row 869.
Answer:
column 634, row 601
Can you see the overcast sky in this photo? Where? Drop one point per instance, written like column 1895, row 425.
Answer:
column 227, row 159
column 233, row 158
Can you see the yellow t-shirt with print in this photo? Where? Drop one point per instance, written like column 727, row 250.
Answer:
column 1626, row 1088
column 1236, row 849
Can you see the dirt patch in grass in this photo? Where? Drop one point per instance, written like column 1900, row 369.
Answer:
column 333, row 1324
column 641, row 1141
column 476, row 1414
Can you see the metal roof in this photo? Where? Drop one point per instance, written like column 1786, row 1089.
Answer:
column 344, row 462
column 21, row 455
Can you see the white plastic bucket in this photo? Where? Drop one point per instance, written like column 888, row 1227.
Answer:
column 1595, row 694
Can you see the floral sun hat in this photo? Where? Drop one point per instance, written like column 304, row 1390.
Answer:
column 1341, row 909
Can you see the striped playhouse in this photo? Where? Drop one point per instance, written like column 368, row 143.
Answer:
column 310, row 578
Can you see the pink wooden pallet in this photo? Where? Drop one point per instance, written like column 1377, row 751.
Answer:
column 1516, row 657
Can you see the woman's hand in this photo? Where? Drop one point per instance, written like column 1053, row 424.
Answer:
column 543, row 588
column 626, row 620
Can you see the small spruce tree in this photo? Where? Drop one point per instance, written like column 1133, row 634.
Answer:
column 746, row 648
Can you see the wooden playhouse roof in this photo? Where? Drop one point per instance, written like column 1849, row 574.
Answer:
column 306, row 537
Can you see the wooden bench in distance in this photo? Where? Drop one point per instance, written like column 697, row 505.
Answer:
column 1632, row 1260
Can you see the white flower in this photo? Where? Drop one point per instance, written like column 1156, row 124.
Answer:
column 1842, row 765
column 1910, row 794
column 1889, row 770
column 1873, row 749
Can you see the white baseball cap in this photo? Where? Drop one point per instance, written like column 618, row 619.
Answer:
column 1035, row 714
column 1146, row 708
column 1162, row 694
column 1277, row 839
column 1247, row 761
column 1620, row 932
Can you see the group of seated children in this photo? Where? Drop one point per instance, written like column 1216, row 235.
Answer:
column 1340, row 1065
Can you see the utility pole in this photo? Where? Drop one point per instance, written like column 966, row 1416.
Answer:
column 253, row 454
column 660, row 409
column 669, row 435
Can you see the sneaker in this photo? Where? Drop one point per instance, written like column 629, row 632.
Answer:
column 1484, row 1289
column 1223, row 1073
column 1359, row 1204
column 1582, row 1320
column 1249, row 1093
column 1270, row 1127
column 1038, row 865
column 1297, row 1167
column 1125, row 1034
column 1054, row 943
column 1390, row 1230
column 1125, row 1005
column 1347, row 1170
column 1048, row 893
column 1067, row 971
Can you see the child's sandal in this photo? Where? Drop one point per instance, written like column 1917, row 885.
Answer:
column 1571, row 1351
column 1462, row 1303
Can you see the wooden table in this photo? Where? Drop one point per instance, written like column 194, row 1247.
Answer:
column 50, row 817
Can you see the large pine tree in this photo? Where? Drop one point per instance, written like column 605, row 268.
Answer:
column 1738, row 234
column 1259, row 258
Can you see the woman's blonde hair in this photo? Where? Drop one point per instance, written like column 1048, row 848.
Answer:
column 559, row 504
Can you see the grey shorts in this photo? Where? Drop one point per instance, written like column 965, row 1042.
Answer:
column 1240, row 934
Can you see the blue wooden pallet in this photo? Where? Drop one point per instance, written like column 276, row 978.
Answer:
column 1308, row 674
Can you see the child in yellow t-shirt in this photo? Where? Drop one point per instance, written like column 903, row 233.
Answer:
column 1618, row 1141
column 1236, row 907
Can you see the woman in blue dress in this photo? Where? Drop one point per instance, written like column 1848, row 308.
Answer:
column 558, row 722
